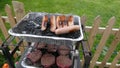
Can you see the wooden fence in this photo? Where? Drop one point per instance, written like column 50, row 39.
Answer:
column 92, row 30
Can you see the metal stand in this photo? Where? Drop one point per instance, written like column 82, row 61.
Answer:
column 6, row 50
column 9, row 56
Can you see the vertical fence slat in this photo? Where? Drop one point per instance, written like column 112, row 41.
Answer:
column 93, row 31
column 19, row 13
column 18, row 9
column 102, row 41
column 11, row 20
column 116, row 59
column 111, row 49
column 0, row 41
column 10, row 16
column 3, row 28
column 83, row 20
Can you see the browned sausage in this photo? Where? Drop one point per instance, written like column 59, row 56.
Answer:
column 63, row 21
column 44, row 23
column 70, row 21
column 52, row 24
column 58, row 22
column 68, row 29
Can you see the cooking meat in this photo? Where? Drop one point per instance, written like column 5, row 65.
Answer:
column 70, row 21
column 52, row 24
column 44, row 23
column 41, row 45
column 63, row 21
column 63, row 62
column 63, row 50
column 47, row 60
column 34, row 56
column 59, row 23
column 52, row 48
column 68, row 29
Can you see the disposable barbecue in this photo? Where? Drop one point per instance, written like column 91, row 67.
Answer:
column 45, row 27
column 54, row 35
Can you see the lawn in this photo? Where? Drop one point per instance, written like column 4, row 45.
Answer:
column 90, row 8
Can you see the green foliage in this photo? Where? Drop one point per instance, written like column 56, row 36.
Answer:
column 2, row 5
column 2, row 60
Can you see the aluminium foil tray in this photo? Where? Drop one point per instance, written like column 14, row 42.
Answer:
column 23, row 64
column 43, row 38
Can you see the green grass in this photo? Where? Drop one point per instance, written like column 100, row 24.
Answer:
column 90, row 8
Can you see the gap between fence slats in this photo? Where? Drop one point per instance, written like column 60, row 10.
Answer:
column 102, row 41
column 114, row 62
column 111, row 49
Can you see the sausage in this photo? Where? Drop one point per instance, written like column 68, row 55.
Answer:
column 52, row 24
column 63, row 21
column 68, row 29
column 44, row 23
column 70, row 21
column 58, row 21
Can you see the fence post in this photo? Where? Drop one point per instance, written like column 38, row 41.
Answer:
column 102, row 42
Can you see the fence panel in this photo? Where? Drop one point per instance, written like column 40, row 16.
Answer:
column 111, row 49
column 102, row 42
column 116, row 59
